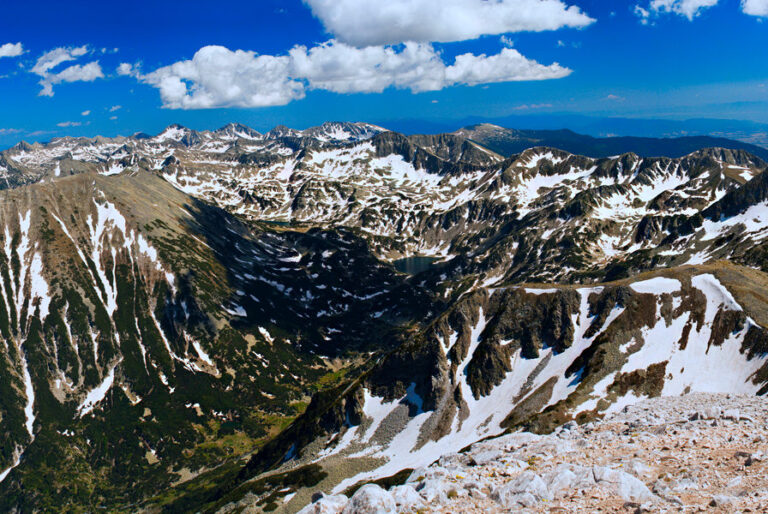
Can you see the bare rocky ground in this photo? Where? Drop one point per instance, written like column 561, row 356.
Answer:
column 694, row 453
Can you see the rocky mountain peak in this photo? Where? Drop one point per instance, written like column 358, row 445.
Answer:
column 176, row 133
column 235, row 131
column 281, row 131
column 343, row 131
column 213, row 306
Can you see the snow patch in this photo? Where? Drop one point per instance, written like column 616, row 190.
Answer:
column 657, row 285
column 97, row 394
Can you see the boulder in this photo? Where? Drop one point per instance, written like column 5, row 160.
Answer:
column 434, row 490
column 685, row 484
column 406, row 498
column 370, row 499
column 708, row 413
column 638, row 468
column 754, row 457
column 485, row 456
column 326, row 505
column 622, row 484
column 560, row 480
column 585, row 478
column 663, row 491
column 526, row 490
column 721, row 500
column 454, row 460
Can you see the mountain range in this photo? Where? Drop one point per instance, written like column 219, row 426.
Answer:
column 599, row 127
column 220, row 320
column 508, row 142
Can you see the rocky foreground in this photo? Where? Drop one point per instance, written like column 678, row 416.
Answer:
column 694, row 453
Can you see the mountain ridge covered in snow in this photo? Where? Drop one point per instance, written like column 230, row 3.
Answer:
column 227, row 310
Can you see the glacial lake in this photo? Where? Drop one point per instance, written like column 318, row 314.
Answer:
column 414, row 265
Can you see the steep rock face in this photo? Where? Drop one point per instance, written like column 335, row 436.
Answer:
column 476, row 371
column 456, row 149
column 738, row 201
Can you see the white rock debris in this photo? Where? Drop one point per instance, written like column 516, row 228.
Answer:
column 694, row 453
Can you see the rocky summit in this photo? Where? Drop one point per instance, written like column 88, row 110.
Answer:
column 693, row 453
column 348, row 319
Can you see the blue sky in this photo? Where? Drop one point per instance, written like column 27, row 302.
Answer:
column 642, row 58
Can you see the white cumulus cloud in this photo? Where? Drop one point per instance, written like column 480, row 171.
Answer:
column 342, row 68
column 376, row 22
column 687, row 8
column 79, row 72
column 11, row 50
column 219, row 77
column 53, row 58
column 75, row 73
column 507, row 66
column 65, row 124
column 50, row 60
column 755, row 7
column 85, row 113
column 127, row 69
column 643, row 14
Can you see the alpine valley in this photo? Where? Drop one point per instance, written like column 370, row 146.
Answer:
column 233, row 321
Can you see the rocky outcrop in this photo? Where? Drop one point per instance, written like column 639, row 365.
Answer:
column 537, row 358
column 690, row 452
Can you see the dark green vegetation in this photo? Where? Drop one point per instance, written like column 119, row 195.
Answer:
column 265, row 492
column 250, row 299
column 189, row 332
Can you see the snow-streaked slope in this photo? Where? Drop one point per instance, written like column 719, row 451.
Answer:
column 421, row 195
column 696, row 362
